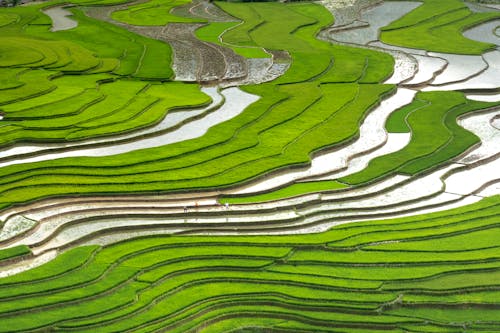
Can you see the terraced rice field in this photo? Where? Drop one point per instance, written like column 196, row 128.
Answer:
column 176, row 166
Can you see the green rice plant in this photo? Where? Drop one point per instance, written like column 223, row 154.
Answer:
column 460, row 280
column 438, row 26
column 110, row 104
column 35, row 83
column 65, row 107
column 155, row 55
column 459, row 316
column 113, row 279
column 234, row 156
column 257, row 310
column 23, row 322
column 250, row 20
column 221, row 262
column 194, row 295
column 302, row 122
column 486, row 296
column 15, row 53
column 106, row 65
column 68, row 86
column 138, row 56
column 154, row 257
column 460, row 141
column 8, row 78
column 75, row 278
column 63, row 263
column 153, row 12
column 182, row 282
column 435, row 137
column 213, row 32
column 101, row 112
column 286, row 192
column 391, row 257
column 428, row 10
column 397, row 121
column 8, row 18
column 13, row 252
column 468, row 239
column 380, row 273
column 417, row 230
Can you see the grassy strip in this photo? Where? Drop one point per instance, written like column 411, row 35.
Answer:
column 13, row 252
column 438, row 26
column 286, row 192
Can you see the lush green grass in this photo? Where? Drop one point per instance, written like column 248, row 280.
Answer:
column 437, row 25
column 187, row 281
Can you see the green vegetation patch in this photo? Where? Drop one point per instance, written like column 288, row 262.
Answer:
column 184, row 282
column 113, row 108
column 436, row 136
column 8, row 18
column 214, row 31
column 288, row 191
column 14, row 252
column 153, row 12
column 437, row 25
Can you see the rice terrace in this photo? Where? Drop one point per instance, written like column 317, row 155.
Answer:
column 250, row 166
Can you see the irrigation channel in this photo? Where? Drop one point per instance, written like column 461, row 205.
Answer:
column 51, row 226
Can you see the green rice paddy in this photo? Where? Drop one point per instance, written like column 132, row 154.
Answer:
column 432, row 272
column 324, row 280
